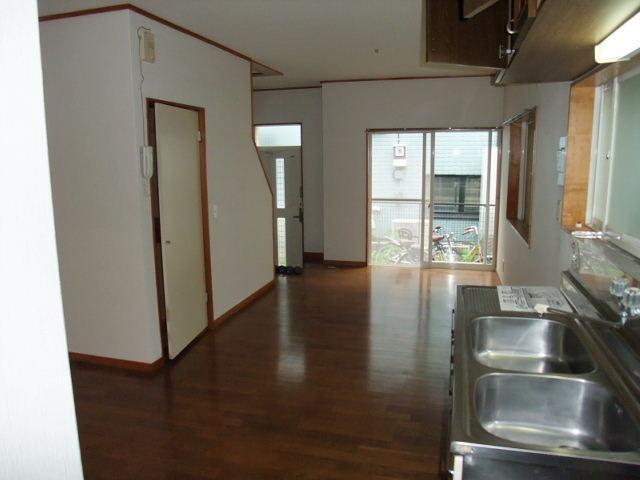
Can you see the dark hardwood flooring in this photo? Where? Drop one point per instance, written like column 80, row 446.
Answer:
column 336, row 374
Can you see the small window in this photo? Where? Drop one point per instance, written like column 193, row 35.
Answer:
column 278, row 135
column 280, row 198
column 281, row 232
column 520, row 176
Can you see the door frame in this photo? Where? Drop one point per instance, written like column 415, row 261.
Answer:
column 275, row 233
column 429, row 156
column 156, row 221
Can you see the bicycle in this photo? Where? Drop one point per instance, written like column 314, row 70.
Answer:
column 474, row 254
column 405, row 250
column 447, row 249
column 443, row 250
column 401, row 250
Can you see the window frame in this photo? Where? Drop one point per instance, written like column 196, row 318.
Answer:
column 520, row 172
column 627, row 242
column 493, row 190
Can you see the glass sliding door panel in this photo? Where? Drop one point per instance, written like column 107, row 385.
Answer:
column 395, row 233
column 464, row 186
column 396, row 198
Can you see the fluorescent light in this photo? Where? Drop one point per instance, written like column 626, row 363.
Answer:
column 622, row 44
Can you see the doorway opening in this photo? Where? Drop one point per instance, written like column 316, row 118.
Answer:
column 280, row 150
column 432, row 197
column 179, row 208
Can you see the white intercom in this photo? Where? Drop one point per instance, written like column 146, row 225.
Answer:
column 147, row 46
column 561, row 160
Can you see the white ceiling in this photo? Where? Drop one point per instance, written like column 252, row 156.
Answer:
column 308, row 40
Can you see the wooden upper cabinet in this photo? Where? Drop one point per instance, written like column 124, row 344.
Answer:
column 555, row 39
column 475, row 41
column 470, row 8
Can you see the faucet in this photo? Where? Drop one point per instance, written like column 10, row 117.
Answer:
column 544, row 309
column 629, row 307
column 628, row 298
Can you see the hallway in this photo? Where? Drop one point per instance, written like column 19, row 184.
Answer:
column 336, row 374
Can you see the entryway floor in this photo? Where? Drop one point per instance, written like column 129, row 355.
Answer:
column 335, row 374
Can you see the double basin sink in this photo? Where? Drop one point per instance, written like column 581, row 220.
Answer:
column 548, row 410
column 539, row 386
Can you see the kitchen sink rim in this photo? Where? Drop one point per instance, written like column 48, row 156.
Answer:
column 558, row 320
column 562, row 378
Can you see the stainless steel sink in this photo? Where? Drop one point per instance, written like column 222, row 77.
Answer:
column 556, row 412
column 538, row 397
column 528, row 345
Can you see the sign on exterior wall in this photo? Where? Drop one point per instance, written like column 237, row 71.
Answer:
column 399, row 156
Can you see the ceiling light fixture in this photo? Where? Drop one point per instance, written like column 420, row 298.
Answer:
column 622, row 44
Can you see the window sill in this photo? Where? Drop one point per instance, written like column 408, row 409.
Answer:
column 583, row 228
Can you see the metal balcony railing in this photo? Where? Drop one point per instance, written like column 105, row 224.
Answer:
column 461, row 232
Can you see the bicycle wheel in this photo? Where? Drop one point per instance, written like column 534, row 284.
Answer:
column 439, row 256
column 473, row 255
column 445, row 256
column 388, row 255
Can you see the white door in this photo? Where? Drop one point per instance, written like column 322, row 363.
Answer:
column 180, row 198
column 284, row 171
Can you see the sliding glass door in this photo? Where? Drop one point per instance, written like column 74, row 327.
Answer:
column 432, row 197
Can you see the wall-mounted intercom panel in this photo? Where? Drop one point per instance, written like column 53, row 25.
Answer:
column 147, row 46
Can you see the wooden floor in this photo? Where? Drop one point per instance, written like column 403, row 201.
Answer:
column 337, row 374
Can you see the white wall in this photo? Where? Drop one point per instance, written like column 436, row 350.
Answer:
column 548, row 253
column 102, row 224
column 305, row 107
column 349, row 109
column 38, row 435
column 191, row 72
column 102, row 213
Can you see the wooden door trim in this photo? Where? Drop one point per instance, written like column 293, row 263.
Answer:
column 155, row 214
column 368, row 136
column 135, row 366
column 393, row 79
column 277, row 89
